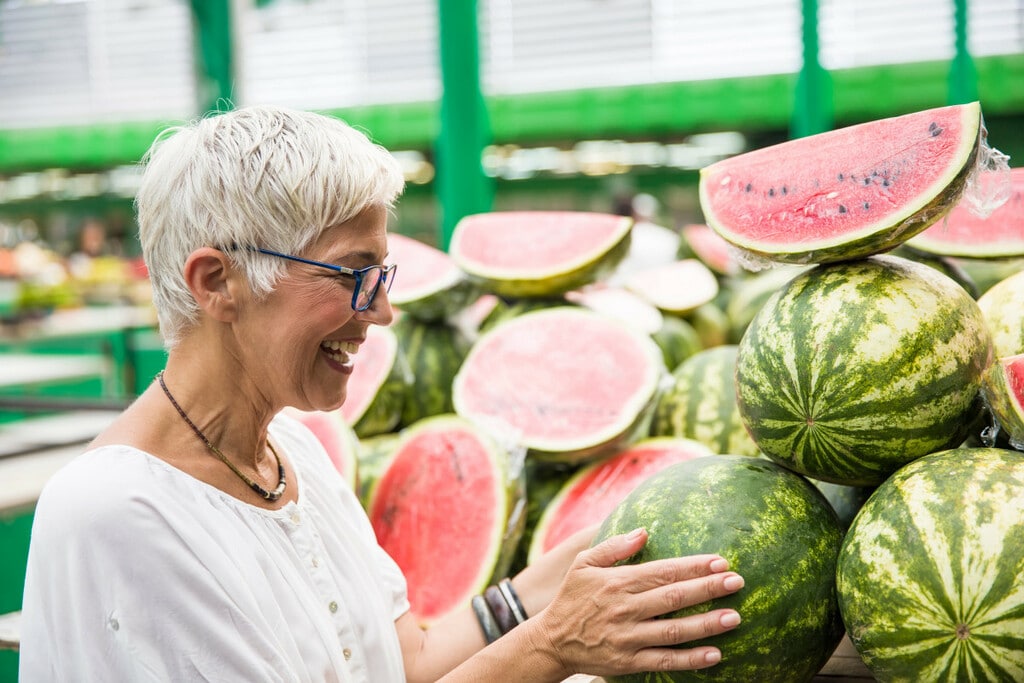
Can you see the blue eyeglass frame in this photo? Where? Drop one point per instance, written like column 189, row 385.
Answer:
column 386, row 278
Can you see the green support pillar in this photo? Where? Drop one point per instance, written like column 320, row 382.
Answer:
column 812, row 108
column 963, row 78
column 214, row 56
column 462, row 186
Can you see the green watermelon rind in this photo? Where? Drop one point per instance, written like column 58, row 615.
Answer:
column 1003, row 308
column 442, row 302
column 492, row 556
column 777, row 531
column 568, row 488
column 937, row 200
column 1004, row 405
column 434, row 351
column 635, row 411
column 700, row 403
column 869, row 414
column 523, row 283
column 929, row 572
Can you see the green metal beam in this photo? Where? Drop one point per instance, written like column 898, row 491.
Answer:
column 812, row 110
column 214, row 55
column 660, row 111
column 963, row 78
column 462, row 186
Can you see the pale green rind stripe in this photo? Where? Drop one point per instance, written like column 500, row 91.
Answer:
column 1003, row 308
column 939, row 551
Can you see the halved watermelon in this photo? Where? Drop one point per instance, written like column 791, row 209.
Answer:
column 594, row 491
column 441, row 511
column 566, row 383
column 701, row 242
column 1003, row 389
column 377, row 385
column 428, row 285
column 678, row 287
column 847, row 193
column 539, row 253
column 964, row 233
column 338, row 439
column 1003, row 308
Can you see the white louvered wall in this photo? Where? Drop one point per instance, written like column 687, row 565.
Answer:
column 83, row 61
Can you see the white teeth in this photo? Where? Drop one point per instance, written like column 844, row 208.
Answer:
column 343, row 346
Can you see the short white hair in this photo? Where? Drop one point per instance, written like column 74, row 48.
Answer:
column 261, row 176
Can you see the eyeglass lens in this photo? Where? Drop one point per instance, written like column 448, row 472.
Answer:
column 371, row 282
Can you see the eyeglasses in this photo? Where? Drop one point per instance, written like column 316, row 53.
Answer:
column 368, row 280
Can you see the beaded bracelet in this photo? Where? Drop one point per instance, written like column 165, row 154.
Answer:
column 487, row 622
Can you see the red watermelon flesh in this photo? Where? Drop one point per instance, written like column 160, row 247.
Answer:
column 593, row 492
column 422, row 269
column 565, row 381
column 847, row 193
column 713, row 251
column 375, row 369
column 965, row 233
column 336, row 436
column 507, row 242
column 440, row 510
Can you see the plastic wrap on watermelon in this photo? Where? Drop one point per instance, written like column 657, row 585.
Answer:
column 448, row 508
column 1002, row 389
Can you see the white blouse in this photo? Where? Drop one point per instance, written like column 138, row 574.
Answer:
column 139, row 572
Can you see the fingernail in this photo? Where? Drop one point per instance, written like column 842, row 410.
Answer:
column 733, row 583
column 635, row 534
column 730, row 619
column 712, row 656
column 719, row 565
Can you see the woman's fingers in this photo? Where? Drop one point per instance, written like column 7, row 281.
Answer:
column 686, row 593
column 614, row 549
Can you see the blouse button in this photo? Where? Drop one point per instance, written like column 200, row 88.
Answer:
column 348, row 654
column 315, row 562
column 333, row 607
column 296, row 518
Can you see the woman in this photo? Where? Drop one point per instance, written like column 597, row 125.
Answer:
column 204, row 536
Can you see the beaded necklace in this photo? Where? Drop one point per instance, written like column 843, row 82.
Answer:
column 265, row 494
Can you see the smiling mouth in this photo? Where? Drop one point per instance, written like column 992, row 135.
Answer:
column 339, row 351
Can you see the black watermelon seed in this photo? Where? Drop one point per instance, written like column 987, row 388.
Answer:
column 886, row 183
column 842, row 209
column 932, row 127
column 867, row 181
column 771, row 192
column 866, row 206
column 840, row 176
column 748, row 188
column 784, row 190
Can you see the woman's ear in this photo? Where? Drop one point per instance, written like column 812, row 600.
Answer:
column 213, row 283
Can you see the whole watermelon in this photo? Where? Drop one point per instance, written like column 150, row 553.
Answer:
column 700, row 403
column 854, row 369
column 929, row 575
column 777, row 531
column 433, row 351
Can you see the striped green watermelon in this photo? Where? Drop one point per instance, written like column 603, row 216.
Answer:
column 566, row 383
column 855, row 369
column 522, row 254
column 964, row 232
column 846, row 193
column 1003, row 389
column 701, row 403
column 929, row 575
column 594, row 491
column 1003, row 308
column 749, row 294
column 777, row 531
column 373, row 457
column 434, row 351
column 543, row 482
column 378, row 384
column 429, row 285
column 448, row 544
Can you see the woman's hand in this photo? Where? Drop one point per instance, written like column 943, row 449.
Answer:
column 603, row 618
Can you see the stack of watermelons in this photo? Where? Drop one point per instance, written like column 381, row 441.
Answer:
column 830, row 419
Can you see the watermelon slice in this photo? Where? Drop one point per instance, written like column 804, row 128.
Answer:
column 847, row 193
column 428, row 285
column 539, row 253
column 441, row 510
column 377, row 385
column 1003, row 389
column 567, row 383
column 701, row 242
column 1003, row 308
column 677, row 288
column 594, row 491
column 964, row 233
column 338, row 439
